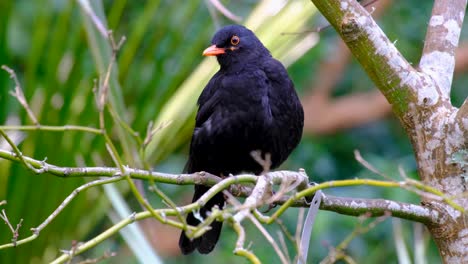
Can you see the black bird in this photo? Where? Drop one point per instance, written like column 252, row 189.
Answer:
column 249, row 105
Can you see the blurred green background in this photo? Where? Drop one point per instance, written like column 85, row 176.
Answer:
column 57, row 54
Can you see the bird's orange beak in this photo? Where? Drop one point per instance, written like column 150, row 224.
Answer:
column 213, row 51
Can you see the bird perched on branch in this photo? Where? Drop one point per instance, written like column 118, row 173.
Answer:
column 249, row 105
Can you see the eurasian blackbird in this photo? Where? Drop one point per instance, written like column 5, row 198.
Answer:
column 249, row 105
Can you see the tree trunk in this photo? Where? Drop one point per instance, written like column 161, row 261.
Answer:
column 420, row 98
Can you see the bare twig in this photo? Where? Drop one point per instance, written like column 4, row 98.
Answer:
column 106, row 255
column 269, row 238
column 367, row 165
column 285, row 187
column 104, row 87
column 294, row 239
column 81, row 247
column 150, row 131
column 101, row 99
column 265, row 233
column 257, row 198
column 19, row 95
column 411, row 185
column 20, row 155
column 70, row 197
column 14, row 231
column 63, row 128
column 72, row 251
column 264, row 162
column 240, row 250
column 167, row 201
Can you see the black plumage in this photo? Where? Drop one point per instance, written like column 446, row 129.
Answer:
column 250, row 104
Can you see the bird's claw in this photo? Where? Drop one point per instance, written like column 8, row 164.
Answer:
column 270, row 206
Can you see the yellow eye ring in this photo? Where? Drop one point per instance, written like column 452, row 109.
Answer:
column 235, row 40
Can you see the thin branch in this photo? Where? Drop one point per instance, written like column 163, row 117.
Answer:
column 240, row 250
column 180, row 179
column 167, row 201
column 59, row 209
column 379, row 207
column 101, row 100
column 268, row 237
column 63, row 128
column 426, row 215
column 19, row 155
column 284, row 230
column 14, row 231
column 367, row 165
column 150, row 131
column 19, row 95
column 106, row 255
column 443, row 34
column 101, row 237
column 417, row 187
column 255, row 199
column 70, row 197
column 341, row 205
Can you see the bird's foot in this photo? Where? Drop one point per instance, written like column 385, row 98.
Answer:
column 270, row 206
column 310, row 197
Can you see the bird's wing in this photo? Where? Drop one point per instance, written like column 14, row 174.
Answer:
column 228, row 105
column 282, row 91
column 227, row 93
column 285, row 105
column 208, row 100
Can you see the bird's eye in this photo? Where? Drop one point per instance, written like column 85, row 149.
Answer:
column 235, row 40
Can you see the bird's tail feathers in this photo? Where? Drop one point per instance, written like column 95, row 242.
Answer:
column 205, row 243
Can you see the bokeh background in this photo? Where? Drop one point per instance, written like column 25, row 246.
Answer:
column 57, row 53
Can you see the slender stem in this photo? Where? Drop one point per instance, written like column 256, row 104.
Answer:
column 70, row 197
column 308, row 192
column 54, row 128
column 18, row 153
column 240, row 250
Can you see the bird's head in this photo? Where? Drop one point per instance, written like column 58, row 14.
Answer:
column 235, row 44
